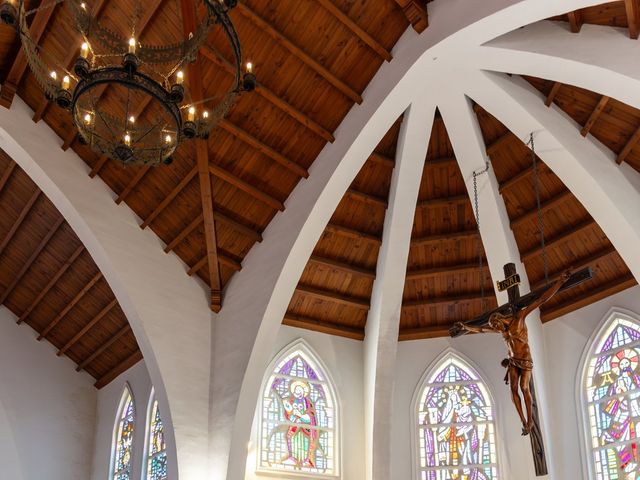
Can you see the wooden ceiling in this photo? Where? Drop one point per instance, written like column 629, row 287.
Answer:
column 51, row 283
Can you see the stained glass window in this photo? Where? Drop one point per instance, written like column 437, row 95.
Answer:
column 613, row 397
column 298, row 427
column 456, row 432
column 123, row 441
column 156, row 448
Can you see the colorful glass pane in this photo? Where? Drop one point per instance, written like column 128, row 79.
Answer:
column 456, row 432
column 124, row 438
column 157, row 455
column 298, row 419
column 613, row 395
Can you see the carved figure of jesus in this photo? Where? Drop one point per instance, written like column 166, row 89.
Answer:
column 519, row 365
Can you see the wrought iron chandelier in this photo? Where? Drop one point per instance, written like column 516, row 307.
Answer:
column 144, row 118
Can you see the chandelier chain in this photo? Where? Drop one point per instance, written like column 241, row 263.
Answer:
column 479, row 248
column 536, row 181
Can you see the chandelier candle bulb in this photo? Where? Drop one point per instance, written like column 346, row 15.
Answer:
column 179, row 77
column 66, row 82
column 84, row 50
column 127, row 140
column 132, row 119
column 249, row 67
column 54, row 76
column 132, row 45
column 87, row 119
column 191, row 115
column 205, row 115
column 167, row 139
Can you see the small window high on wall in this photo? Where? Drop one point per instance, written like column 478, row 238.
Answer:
column 123, row 437
column 156, row 467
column 298, row 421
column 455, row 431
column 612, row 394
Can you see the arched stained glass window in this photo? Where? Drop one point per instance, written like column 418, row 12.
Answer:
column 156, row 447
column 455, row 425
column 123, row 438
column 613, row 400
column 298, row 417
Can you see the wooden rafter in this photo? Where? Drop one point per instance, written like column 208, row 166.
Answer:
column 18, row 222
column 7, row 174
column 552, row 93
column 43, row 243
column 102, row 348
column 70, row 305
column 416, row 13
column 224, row 259
column 123, row 366
column 287, row 44
column 93, row 322
column 343, row 267
column 352, row 233
column 430, row 302
column 137, row 178
column 523, row 174
column 420, row 333
column 628, row 147
column 427, row 273
column 546, row 206
column 333, row 297
column 246, row 187
column 323, row 327
column 454, row 201
column 366, row 198
column 559, row 239
column 633, row 17
column 169, row 198
column 98, row 166
column 444, row 237
column 63, row 268
column 184, row 233
column 499, row 142
column 383, row 160
column 594, row 115
column 575, row 20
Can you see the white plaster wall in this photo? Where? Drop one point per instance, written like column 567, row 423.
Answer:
column 343, row 359
column 47, row 410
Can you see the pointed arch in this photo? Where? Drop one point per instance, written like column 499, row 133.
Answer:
column 123, row 432
column 454, row 423
column 298, row 415
column 155, row 466
column 610, row 396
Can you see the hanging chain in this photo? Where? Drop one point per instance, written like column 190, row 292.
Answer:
column 479, row 242
column 536, row 181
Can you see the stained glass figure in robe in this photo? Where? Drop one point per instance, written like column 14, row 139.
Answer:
column 124, row 438
column 157, row 455
column 456, row 434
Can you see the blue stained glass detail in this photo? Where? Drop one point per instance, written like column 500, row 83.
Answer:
column 157, row 455
column 124, row 438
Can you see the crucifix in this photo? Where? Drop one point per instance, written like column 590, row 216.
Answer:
column 509, row 320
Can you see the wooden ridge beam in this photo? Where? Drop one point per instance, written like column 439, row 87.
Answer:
column 333, row 297
column 246, row 187
column 628, row 147
column 590, row 296
column 137, row 178
column 523, row 174
column 212, row 54
column 426, row 273
column 343, row 267
column 264, row 149
column 367, row 198
column 444, row 237
column 419, row 333
column 98, row 166
column 102, row 348
column 456, row 200
column 69, row 306
column 323, row 326
column 550, row 204
column 552, row 93
column 169, row 198
column 575, row 20
column 224, row 259
column 7, row 174
column 63, row 268
column 356, row 29
column 16, row 73
column 558, row 239
column 352, row 233
column 594, row 115
column 435, row 301
column 43, row 243
column 287, row 44
column 122, row 367
column 416, row 13
column 18, row 222
column 87, row 327
column 633, row 17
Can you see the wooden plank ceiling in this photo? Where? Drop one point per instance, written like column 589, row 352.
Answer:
column 51, row 283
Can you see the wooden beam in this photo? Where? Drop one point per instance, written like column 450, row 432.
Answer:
column 63, row 268
column 287, row 44
column 122, row 367
column 357, row 30
column 212, row 54
column 224, row 260
column 453, row 201
column 323, row 327
column 435, row 301
column 382, row 160
column 416, row 13
column 550, row 204
column 333, row 297
column 7, row 174
column 246, row 187
column 343, row 267
column 559, row 239
column 526, row 173
column 137, row 178
column 169, row 198
column 102, row 348
column 420, row 333
column 497, row 143
column 594, row 115
column 426, row 273
column 98, row 166
column 444, row 237
column 264, row 149
column 367, row 198
column 575, row 20
column 590, row 296
column 184, row 233
column 633, row 17
column 552, row 93
column 628, row 147
column 440, row 162
column 70, row 305
column 12, row 81
column 43, row 243
column 88, row 327
column 352, row 233
column 18, row 222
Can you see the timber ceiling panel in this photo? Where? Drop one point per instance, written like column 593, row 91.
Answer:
column 50, row 282
column 623, row 14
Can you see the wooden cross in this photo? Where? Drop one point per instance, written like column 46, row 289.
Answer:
column 516, row 302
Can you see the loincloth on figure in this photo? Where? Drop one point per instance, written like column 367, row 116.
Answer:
column 519, row 363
